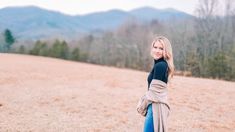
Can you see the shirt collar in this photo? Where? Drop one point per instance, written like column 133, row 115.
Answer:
column 158, row 60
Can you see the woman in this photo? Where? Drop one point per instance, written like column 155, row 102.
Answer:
column 154, row 104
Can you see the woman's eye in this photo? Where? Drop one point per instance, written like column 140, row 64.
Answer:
column 158, row 48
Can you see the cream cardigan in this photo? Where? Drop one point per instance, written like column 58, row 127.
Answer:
column 157, row 95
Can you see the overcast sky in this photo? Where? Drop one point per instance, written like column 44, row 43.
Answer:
column 79, row 7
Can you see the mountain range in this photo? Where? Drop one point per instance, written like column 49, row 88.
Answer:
column 31, row 22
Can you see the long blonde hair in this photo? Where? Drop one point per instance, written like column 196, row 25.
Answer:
column 167, row 53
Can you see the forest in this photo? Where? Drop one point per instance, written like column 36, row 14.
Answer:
column 203, row 46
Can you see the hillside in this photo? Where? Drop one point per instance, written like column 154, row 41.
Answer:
column 41, row 23
column 46, row 94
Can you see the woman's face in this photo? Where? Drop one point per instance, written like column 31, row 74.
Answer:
column 157, row 50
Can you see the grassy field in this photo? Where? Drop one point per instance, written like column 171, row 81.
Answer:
column 46, row 94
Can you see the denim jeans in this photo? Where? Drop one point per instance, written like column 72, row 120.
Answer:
column 148, row 124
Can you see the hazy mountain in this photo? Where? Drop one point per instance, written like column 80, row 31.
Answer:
column 36, row 22
column 105, row 20
column 148, row 14
column 32, row 22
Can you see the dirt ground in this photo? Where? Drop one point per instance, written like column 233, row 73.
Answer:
column 42, row 94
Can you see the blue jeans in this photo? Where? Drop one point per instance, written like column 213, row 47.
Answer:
column 148, row 124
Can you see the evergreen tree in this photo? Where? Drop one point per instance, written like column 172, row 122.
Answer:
column 218, row 66
column 55, row 49
column 59, row 50
column 36, row 48
column 9, row 39
column 75, row 55
column 64, row 50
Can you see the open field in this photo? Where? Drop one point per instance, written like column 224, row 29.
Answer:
column 45, row 94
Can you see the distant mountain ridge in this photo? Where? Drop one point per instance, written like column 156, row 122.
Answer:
column 31, row 22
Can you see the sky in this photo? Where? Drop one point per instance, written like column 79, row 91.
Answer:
column 81, row 7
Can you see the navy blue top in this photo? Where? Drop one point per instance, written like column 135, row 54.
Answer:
column 159, row 71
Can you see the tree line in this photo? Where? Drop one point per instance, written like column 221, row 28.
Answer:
column 203, row 46
column 57, row 49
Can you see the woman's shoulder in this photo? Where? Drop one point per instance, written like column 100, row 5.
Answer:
column 161, row 64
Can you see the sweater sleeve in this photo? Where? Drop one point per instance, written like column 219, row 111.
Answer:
column 160, row 71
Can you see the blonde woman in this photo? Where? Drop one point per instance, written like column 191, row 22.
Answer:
column 154, row 104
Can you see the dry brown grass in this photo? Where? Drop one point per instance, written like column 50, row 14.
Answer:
column 45, row 94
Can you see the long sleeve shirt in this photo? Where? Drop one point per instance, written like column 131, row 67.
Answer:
column 159, row 71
